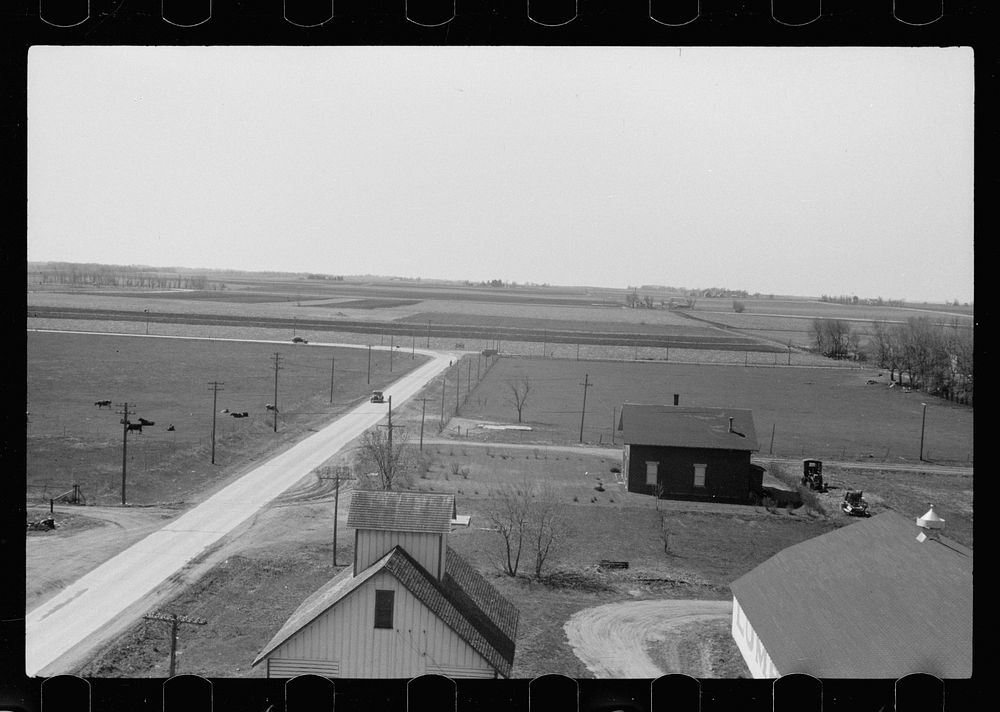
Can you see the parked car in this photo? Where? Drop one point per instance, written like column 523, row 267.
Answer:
column 299, row 340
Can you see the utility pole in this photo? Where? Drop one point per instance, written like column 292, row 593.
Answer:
column 389, row 456
column 586, row 384
column 443, row 382
column 428, row 333
column 770, row 450
column 577, row 351
column 333, row 365
column 479, row 359
column 369, row 364
column 614, row 417
column 423, row 409
column 468, row 381
column 174, row 620
column 336, row 509
column 545, row 336
column 147, row 321
column 392, row 347
column 215, row 404
column 124, row 414
column 458, row 384
column 277, row 360
column 413, row 345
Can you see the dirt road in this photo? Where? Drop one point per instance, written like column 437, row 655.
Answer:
column 79, row 616
column 639, row 638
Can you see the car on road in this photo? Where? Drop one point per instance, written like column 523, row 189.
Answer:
column 299, row 340
column 378, row 397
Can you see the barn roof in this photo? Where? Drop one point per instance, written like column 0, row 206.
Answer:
column 866, row 600
column 463, row 600
column 687, row 426
column 401, row 511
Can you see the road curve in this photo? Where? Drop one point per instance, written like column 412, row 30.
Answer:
column 612, row 640
column 101, row 596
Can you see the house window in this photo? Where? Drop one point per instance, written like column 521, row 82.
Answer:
column 699, row 475
column 651, row 473
column 383, row 608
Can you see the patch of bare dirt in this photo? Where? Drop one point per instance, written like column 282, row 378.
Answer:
column 643, row 638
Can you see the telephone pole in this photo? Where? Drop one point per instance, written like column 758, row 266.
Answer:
column 174, row 621
column 124, row 414
column 369, row 364
column 458, row 384
column 586, row 384
column 392, row 347
column 389, row 463
column 614, row 418
column 428, row 333
column 333, row 365
column 443, row 382
column 215, row 404
column 277, row 360
column 413, row 345
column 336, row 509
column 468, row 381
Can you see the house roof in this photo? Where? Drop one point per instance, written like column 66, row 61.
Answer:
column 687, row 426
column 463, row 600
column 401, row 511
column 866, row 600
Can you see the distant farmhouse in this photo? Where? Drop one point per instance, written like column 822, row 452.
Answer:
column 409, row 605
column 691, row 453
column 865, row 601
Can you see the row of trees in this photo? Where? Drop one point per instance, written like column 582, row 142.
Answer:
column 934, row 357
column 937, row 358
column 99, row 276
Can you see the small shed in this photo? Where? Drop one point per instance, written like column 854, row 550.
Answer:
column 688, row 452
column 867, row 600
column 407, row 606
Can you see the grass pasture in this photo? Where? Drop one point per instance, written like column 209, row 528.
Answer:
column 70, row 440
column 816, row 412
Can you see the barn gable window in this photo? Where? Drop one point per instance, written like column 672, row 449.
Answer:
column 699, row 475
column 383, row 608
column 652, row 470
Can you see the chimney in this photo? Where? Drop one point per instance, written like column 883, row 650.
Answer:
column 731, row 425
column 677, row 398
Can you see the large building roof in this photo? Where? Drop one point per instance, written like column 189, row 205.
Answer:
column 865, row 601
column 687, row 426
column 463, row 600
column 401, row 511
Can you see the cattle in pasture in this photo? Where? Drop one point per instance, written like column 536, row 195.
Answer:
column 271, row 406
column 170, row 428
column 242, row 414
column 134, row 427
column 224, row 410
column 143, row 421
column 103, row 403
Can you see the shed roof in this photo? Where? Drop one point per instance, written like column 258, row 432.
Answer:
column 463, row 600
column 401, row 511
column 866, row 600
column 687, row 426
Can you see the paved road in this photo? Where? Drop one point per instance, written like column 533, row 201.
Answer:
column 78, row 612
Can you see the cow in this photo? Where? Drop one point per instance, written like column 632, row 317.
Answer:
column 143, row 421
column 103, row 403
column 170, row 428
column 271, row 406
column 136, row 427
column 242, row 414
column 224, row 410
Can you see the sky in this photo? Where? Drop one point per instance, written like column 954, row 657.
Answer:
column 802, row 171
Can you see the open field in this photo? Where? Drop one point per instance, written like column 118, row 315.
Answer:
column 825, row 413
column 285, row 554
column 70, row 440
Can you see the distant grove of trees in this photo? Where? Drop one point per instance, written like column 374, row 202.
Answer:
column 935, row 357
column 120, row 276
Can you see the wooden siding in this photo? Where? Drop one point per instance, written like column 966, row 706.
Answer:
column 288, row 667
column 426, row 549
column 418, row 643
column 727, row 473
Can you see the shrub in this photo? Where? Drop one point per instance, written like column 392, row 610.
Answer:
column 739, row 307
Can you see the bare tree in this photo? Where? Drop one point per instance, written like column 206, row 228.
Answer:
column 391, row 464
column 530, row 522
column 546, row 525
column 507, row 510
column 517, row 395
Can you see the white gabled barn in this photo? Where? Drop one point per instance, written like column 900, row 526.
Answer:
column 407, row 606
